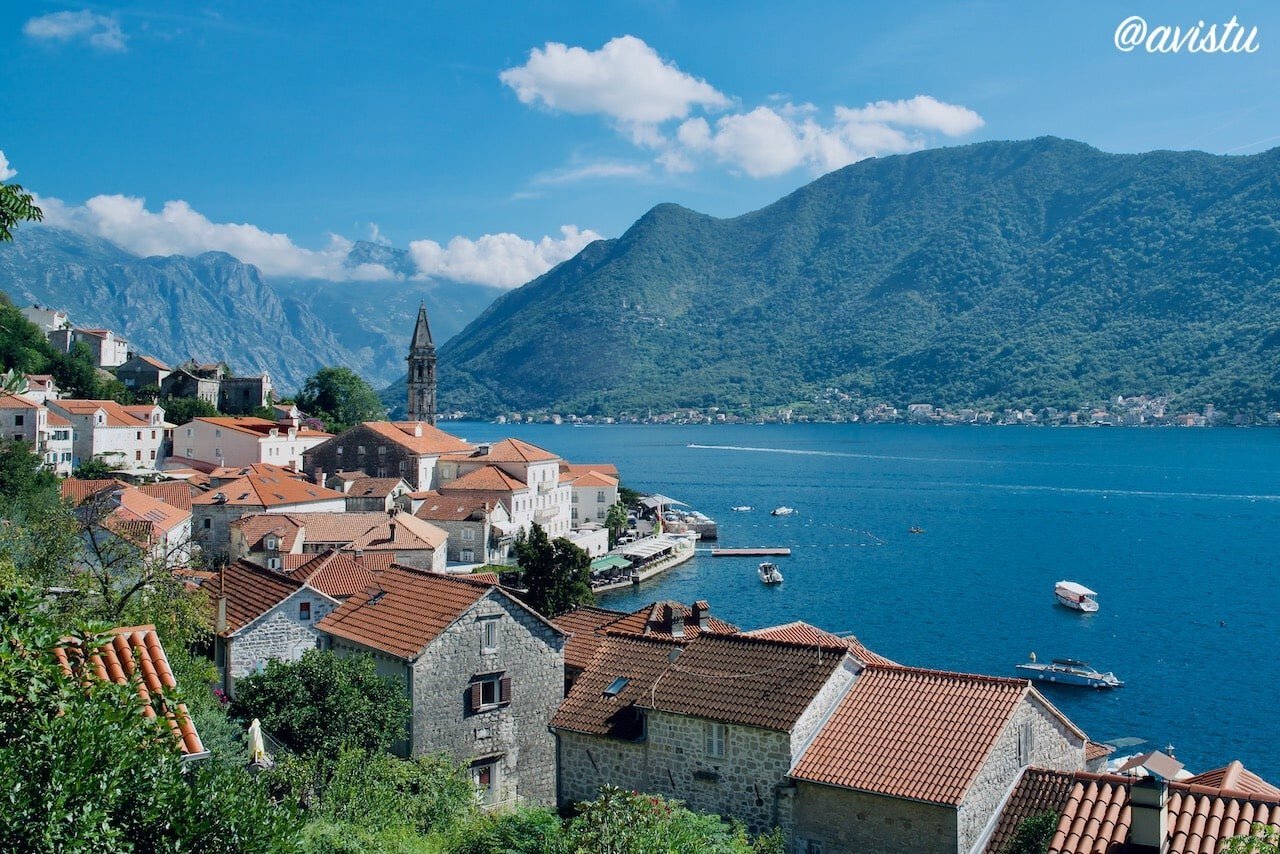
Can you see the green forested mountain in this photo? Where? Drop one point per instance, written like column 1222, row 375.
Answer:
column 1036, row 273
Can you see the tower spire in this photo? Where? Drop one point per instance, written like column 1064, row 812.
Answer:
column 422, row 371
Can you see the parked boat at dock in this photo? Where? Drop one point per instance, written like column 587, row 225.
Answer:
column 1076, row 596
column 770, row 574
column 1068, row 671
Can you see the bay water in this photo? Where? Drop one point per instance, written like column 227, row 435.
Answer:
column 1175, row 528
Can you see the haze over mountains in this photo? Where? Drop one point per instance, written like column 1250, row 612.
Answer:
column 1032, row 273
column 213, row 306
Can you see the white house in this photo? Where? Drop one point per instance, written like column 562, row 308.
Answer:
column 48, row 433
column 244, row 440
column 109, row 349
column 130, row 437
column 525, row 477
column 159, row 529
column 593, row 490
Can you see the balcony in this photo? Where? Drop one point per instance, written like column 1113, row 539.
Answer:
column 545, row 515
column 546, row 486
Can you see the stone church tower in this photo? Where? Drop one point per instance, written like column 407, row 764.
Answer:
column 422, row 371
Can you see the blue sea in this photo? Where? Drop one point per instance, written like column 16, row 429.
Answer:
column 1175, row 528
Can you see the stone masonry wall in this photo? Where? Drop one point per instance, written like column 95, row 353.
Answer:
column 1053, row 746
column 588, row 762
column 813, row 717
column 844, row 820
column 532, row 654
column 278, row 634
column 381, row 458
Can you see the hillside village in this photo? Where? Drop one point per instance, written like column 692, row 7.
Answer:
column 392, row 539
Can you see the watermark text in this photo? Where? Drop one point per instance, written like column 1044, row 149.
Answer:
column 1231, row 37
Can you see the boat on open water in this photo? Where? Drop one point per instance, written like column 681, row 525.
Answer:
column 770, row 574
column 1076, row 596
column 783, row 511
column 1069, row 671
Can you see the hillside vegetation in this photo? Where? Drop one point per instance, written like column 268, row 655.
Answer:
column 1035, row 273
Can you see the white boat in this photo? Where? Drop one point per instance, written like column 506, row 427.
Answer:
column 784, row 511
column 743, row 508
column 1076, row 596
column 1068, row 671
column 770, row 574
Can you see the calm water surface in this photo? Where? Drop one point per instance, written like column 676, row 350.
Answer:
column 1176, row 529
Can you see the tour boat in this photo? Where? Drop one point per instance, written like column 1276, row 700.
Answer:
column 1068, row 671
column 743, row 508
column 1075, row 596
column 784, row 511
column 770, row 574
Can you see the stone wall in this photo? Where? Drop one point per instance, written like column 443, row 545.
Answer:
column 278, row 634
column 455, row 544
column 1053, row 746
column 820, row 709
column 215, row 540
column 381, row 457
column 588, row 762
column 532, row 654
column 844, row 820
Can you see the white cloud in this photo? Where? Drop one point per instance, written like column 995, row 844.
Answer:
column 642, row 94
column 590, row 171
column 625, row 80
column 100, row 31
column 504, row 260
column 5, row 172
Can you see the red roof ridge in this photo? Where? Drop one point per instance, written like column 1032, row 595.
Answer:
column 950, row 674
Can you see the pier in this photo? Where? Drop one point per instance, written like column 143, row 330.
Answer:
column 750, row 552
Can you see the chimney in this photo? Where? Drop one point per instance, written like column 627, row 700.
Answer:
column 677, row 625
column 220, row 622
column 698, row 613
column 391, row 531
column 1149, row 827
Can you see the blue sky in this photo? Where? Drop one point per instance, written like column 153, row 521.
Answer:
column 453, row 121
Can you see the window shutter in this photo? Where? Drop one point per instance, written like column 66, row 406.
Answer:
column 504, row 690
column 475, row 697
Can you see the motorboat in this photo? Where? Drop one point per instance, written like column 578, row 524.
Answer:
column 783, row 511
column 915, row 530
column 1068, row 671
column 742, row 508
column 1076, row 596
column 770, row 574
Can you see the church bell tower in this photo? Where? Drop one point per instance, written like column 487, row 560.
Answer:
column 422, row 371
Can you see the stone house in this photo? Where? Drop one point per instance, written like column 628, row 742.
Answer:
column 479, row 531
column 109, row 349
column 141, row 372
column 159, row 529
column 404, row 449
column 242, row 395
column 271, row 539
column 374, row 493
column 41, row 388
column 182, row 382
column 49, row 434
column 1140, row 809
column 485, row 674
column 214, row 511
column 263, row 615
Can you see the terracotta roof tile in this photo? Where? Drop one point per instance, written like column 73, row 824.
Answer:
column 405, row 612
column 264, row 469
column 575, row 469
column 1094, row 750
column 581, row 624
column 334, row 573
column 484, row 479
column 418, row 437
column 401, row 532
column 78, row 491
column 136, row 650
column 593, row 479
column 175, row 493
column 53, row 419
column 9, row 400
column 133, row 417
column 589, row 709
column 373, row 487
column 1198, row 823
column 515, row 451
column 250, row 591
column 1234, row 778
column 744, row 680
column 272, row 490
column 895, row 733
column 132, row 505
column 449, row 508
column 1037, row 791
column 657, row 621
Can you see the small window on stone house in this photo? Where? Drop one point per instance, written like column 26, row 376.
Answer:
column 18, row 420
column 1026, row 743
column 304, row 611
column 484, row 776
column 489, row 635
column 717, row 736
column 489, row 691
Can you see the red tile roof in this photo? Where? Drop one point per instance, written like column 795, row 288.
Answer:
column 136, row 652
column 484, row 479
column 516, row 451
column 575, row 469
column 250, row 591
column 657, row 621
column 334, row 573
column 418, row 437
column 405, row 611
column 9, row 400
column 116, row 415
column 743, row 680
column 582, row 624
column 260, row 427
column 272, row 490
column 449, row 508
column 264, row 469
column 1234, row 778
column 895, row 733
column 53, row 419
column 175, row 493
column 373, row 487
column 1095, row 815
column 78, row 491
column 589, row 709
column 132, row 505
column 1094, row 750
column 401, row 532
column 593, row 479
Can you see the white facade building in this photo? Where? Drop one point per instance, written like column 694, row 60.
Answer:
column 242, row 441
column 133, row 438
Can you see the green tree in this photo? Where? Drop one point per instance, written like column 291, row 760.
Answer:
column 16, row 205
column 1261, row 839
column 341, row 398
column 324, row 703
column 180, row 410
column 95, row 468
column 83, row 769
column 616, row 521
column 556, row 574
column 620, row 822
column 1034, row 834
column 76, row 373
column 22, row 475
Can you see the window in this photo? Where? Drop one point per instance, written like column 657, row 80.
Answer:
column 217, row 433
column 208, row 523
column 484, row 776
column 339, row 450
column 468, row 534
column 137, row 455
column 153, row 454
column 616, row 686
column 403, row 466
column 153, row 434
column 1026, row 743
column 188, row 432
column 600, row 496
column 600, row 513
column 382, row 450
column 189, row 452
column 490, row 691
column 489, row 634
column 304, row 611
column 717, row 735
column 575, row 498
column 18, row 420
column 575, row 513
column 273, row 563
column 139, row 435
column 360, row 450
column 270, row 543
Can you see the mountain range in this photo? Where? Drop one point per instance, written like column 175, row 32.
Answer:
column 215, row 307
column 1031, row 273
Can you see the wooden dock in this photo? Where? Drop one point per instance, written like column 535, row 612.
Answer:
column 750, row 552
